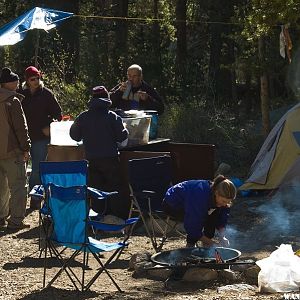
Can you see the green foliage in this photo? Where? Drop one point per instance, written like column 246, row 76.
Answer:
column 263, row 15
column 221, row 64
column 193, row 123
column 73, row 98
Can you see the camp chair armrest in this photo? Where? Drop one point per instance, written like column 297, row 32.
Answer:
column 37, row 191
column 105, row 226
column 131, row 221
column 112, row 227
column 147, row 196
column 147, row 192
column 144, row 194
column 100, row 195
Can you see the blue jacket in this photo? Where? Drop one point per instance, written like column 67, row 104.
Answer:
column 100, row 130
column 195, row 198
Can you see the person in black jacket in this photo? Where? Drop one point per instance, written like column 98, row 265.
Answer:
column 101, row 130
column 41, row 108
column 135, row 93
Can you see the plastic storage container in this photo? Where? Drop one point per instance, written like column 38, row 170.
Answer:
column 138, row 128
column 59, row 134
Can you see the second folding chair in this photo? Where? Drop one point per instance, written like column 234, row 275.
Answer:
column 149, row 179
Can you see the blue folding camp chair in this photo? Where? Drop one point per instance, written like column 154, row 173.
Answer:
column 149, row 179
column 73, row 173
column 69, row 210
column 65, row 174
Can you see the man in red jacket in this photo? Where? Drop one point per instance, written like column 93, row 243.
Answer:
column 40, row 108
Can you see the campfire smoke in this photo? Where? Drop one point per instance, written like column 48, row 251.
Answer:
column 275, row 220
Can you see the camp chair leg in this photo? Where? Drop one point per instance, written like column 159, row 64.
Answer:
column 153, row 242
column 64, row 268
column 150, row 229
column 67, row 269
column 152, row 220
column 103, row 268
column 45, row 265
column 45, row 227
column 85, row 264
column 163, row 229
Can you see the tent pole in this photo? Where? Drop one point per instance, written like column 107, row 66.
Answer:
column 36, row 52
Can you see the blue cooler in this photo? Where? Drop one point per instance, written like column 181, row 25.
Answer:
column 154, row 123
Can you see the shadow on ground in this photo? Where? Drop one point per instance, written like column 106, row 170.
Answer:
column 55, row 293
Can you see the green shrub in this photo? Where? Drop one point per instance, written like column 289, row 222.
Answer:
column 193, row 123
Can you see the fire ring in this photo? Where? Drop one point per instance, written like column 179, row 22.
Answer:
column 189, row 256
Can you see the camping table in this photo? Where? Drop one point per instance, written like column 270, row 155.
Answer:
column 67, row 153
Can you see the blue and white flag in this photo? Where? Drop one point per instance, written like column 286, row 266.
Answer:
column 37, row 18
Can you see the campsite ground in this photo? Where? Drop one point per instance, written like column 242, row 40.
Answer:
column 22, row 270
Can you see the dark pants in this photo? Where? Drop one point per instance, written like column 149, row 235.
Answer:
column 105, row 175
column 210, row 223
column 178, row 215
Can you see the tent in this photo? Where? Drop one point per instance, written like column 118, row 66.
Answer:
column 278, row 161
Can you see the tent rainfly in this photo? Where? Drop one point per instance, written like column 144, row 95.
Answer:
column 277, row 164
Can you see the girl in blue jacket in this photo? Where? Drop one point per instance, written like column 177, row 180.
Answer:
column 203, row 206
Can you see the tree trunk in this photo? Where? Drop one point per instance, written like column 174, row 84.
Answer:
column 121, row 35
column 214, row 57
column 264, row 90
column 156, row 40
column 181, row 50
column 222, row 55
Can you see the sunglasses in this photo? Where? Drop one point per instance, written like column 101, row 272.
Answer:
column 34, row 78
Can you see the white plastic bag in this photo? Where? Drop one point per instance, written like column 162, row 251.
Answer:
column 280, row 272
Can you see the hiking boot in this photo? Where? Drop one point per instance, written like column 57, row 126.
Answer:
column 20, row 226
column 3, row 222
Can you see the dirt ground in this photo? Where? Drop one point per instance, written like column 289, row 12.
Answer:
column 22, row 269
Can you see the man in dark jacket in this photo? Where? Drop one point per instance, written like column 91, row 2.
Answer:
column 40, row 108
column 101, row 130
column 135, row 93
column 14, row 153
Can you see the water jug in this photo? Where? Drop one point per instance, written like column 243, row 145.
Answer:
column 127, row 91
column 59, row 134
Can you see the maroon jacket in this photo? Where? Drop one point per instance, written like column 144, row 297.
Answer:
column 40, row 110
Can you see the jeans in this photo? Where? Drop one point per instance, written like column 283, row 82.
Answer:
column 38, row 153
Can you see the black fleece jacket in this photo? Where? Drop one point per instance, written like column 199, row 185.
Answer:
column 100, row 130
